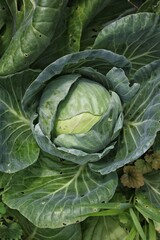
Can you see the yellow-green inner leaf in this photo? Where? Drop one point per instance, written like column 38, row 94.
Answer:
column 81, row 123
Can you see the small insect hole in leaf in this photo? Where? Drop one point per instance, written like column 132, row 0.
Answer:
column 103, row 202
column 10, row 218
column 136, row 200
column 94, row 30
column 70, row 3
column 22, row 192
column 3, row 29
column 35, row 121
column 61, row 173
column 19, row 5
column 64, row 224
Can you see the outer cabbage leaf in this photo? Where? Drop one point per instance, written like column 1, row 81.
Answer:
column 32, row 37
column 103, row 228
column 12, row 15
column 59, row 44
column 147, row 201
column 83, row 12
column 120, row 84
column 135, row 36
column 20, row 11
column 141, row 121
column 146, row 206
column 30, row 231
column 53, row 193
column 151, row 188
column 77, row 156
column 17, row 145
column 6, row 26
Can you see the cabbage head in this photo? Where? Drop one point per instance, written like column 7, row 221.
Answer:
column 76, row 104
column 87, row 118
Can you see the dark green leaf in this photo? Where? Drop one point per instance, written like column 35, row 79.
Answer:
column 54, row 193
column 83, row 12
column 2, row 208
column 132, row 38
column 103, row 228
column 20, row 11
column 59, row 44
column 30, row 231
column 6, row 26
column 10, row 232
column 152, row 188
column 17, row 145
column 32, row 37
column 156, row 145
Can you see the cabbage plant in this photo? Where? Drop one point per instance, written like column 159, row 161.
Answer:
column 79, row 112
column 79, row 99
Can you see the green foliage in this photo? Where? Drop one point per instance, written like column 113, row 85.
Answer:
column 30, row 231
column 92, row 67
column 9, row 228
column 18, row 148
column 10, row 232
column 103, row 228
column 53, row 193
column 33, row 35
column 138, row 42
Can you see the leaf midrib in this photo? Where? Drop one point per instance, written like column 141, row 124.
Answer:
column 13, row 112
